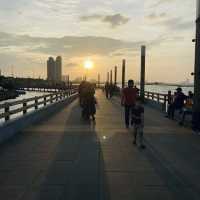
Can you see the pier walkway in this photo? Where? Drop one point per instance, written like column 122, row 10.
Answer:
column 64, row 157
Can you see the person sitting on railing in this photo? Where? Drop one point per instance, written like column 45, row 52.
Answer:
column 187, row 110
column 170, row 98
column 169, row 101
column 177, row 104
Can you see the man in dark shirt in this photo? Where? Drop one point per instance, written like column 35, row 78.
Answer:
column 128, row 100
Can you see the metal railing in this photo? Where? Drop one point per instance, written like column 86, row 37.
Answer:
column 159, row 98
column 23, row 106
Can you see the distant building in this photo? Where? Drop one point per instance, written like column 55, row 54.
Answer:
column 58, row 68
column 54, row 69
column 51, row 69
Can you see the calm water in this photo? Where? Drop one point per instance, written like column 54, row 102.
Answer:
column 164, row 89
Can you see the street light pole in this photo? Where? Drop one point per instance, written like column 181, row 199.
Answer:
column 142, row 75
column 196, row 107
column 123, row 73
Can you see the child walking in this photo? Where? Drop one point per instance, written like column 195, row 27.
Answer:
column 138, row 124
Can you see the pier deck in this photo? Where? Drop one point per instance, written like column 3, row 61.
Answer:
column 64, row 157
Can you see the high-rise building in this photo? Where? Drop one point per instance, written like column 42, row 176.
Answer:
column 51, row 69
column 58, row 68
column 54, row 69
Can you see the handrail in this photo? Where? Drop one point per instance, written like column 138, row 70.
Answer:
column 159, row 98
column 24, row 105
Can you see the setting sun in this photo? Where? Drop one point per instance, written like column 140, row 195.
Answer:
column 88, row 64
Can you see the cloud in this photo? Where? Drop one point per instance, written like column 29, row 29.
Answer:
column 68, row 45
column 177, row 24
column 160, row 2
column 25, row 50
column 114, row 20
column 154, row 16
column 90, row 17
column 172, row 23
column 72, row 64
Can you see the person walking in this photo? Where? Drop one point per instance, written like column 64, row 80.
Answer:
column 111, row 90
column 138, row 124
column 89, row 102
column 107, row 89
column 128, row 100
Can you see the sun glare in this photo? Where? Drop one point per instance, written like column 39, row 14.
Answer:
column 88, row 64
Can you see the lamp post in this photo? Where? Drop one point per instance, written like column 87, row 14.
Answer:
column 98, row 80
column 123, row 73
column 111, row 77
column 108, row 77
column 115, row 81
column 196, row 107
column 142, row 76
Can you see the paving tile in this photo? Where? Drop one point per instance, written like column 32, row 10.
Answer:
column 11, row 193
column 45, row 193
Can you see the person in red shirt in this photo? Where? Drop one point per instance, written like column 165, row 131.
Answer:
column 128, row 100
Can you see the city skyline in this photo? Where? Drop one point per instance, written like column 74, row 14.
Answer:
column 104, row 31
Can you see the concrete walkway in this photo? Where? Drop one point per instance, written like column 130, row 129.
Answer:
column 67, row 158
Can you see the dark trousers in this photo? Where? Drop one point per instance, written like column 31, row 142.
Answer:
column 185, row 112
column 107, row 93
column 128, row 110
column 171, row 110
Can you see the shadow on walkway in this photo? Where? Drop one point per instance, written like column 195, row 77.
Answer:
column 76, row 169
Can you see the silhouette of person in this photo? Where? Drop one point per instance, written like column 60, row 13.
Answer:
column 177, row 104
column 128, row 100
